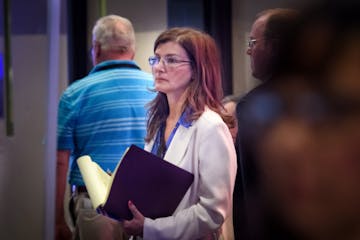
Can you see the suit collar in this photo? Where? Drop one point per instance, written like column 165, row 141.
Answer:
column 179, row 144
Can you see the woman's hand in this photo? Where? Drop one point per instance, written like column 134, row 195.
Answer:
column 135, row 226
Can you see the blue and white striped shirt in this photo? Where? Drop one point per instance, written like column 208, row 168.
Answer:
column 103, row 114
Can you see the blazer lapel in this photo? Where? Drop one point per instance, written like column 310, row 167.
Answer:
column 149, row 146
column 179, row 144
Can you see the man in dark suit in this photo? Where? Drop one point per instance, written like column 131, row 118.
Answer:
column 268, row 49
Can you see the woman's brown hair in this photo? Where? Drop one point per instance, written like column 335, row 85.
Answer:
column 205, row 89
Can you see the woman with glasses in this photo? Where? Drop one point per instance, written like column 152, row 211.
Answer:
column 187, row 127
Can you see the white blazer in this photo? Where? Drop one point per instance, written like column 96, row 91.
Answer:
column 207, row 150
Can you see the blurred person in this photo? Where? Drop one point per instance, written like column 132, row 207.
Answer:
column 269, row 42
column 268, row 47
column 186, row 127
column 100, row 115
column 307, row 145
column 311, row 183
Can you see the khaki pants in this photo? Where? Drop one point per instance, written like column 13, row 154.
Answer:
column 89, row 225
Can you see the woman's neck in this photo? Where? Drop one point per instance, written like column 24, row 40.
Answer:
column 176, row 104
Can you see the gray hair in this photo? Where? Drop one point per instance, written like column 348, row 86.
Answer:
column 114, row 33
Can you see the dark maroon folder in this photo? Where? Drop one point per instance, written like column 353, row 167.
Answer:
column 154, row 185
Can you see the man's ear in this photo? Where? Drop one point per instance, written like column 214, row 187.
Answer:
column 97, row 49
column 275, row 45
column 274, row 48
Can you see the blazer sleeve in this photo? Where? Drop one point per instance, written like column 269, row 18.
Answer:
column 213, row 150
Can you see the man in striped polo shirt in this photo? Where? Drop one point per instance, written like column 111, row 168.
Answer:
column 100, row 115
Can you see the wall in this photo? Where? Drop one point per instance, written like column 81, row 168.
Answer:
column 23, row 199
column 23, row 156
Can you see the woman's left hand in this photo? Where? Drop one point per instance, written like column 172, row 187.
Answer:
column 135, row 226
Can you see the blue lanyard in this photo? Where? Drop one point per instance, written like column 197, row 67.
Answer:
column 172, row 134
column 158, row 148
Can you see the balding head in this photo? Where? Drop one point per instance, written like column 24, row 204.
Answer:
column 113, row 37
column 271, row 34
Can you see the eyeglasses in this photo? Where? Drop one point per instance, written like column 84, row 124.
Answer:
column 251, row 43
column 168, row 60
